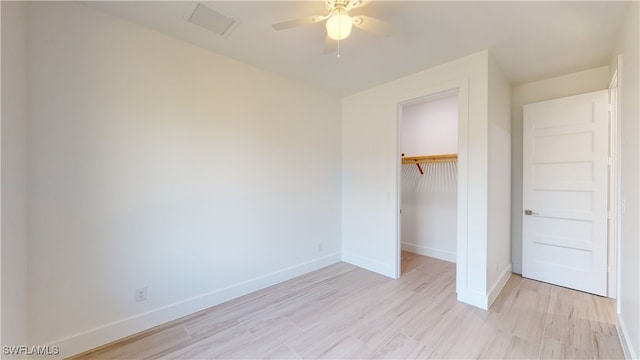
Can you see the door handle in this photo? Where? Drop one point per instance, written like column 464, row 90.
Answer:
column 530, row 212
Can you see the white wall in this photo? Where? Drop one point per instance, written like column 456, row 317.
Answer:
column 156, row 163
column 499, row 199
column 14, row 173
column 429, row 213
column 370, row 165
column 430, row 127
column 557, row 87
column 629, row 112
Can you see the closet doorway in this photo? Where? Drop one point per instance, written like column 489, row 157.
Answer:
column 428, row 139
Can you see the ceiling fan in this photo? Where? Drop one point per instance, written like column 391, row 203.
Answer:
column 339, row 23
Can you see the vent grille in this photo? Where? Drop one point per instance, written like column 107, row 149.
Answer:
column 210, row 19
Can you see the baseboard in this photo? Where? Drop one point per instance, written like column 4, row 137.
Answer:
column 499, row 285
column 370, row 264
column 449, row 256
column 107, row 333
column 623, row 335
column 484, row 301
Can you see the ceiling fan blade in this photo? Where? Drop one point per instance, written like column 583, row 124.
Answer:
column 330, row 45
column 298, row 22
column 373, row 25
column 353, row 4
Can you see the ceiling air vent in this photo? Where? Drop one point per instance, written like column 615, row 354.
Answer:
column 212, row 20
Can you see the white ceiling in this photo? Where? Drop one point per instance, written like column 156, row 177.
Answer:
column 530, row 40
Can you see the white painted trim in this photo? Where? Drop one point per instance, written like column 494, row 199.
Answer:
column 462, row 244
column 613, row 237
column 370, row 264
column 618, row 178
column 87, row 340
column 625, row 342
column 462, row 86
column 449, row 256
column 2, row 343
column 497, row 287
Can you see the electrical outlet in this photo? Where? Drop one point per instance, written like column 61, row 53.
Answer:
column 141, row 294
column 319, row 247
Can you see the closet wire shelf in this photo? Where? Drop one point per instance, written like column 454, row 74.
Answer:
column 428, row 159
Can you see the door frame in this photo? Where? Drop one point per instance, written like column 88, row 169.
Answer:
column 614, row 223
column 462, row 88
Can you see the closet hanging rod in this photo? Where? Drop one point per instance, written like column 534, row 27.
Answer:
column 429, row 158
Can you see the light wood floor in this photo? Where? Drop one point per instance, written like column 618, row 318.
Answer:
column 343, row 312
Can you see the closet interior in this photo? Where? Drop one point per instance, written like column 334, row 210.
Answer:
column 429, row 147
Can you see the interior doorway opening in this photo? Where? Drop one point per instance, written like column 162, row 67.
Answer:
column 428, row 143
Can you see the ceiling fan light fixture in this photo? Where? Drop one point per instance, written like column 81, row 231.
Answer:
column 339, row 25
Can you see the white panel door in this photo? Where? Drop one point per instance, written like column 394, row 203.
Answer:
column 565, row 192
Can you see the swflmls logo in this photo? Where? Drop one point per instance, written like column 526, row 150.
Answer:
column 31, row 350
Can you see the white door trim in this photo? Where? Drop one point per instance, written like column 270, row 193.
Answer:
column 614, row 189
column 462, row 86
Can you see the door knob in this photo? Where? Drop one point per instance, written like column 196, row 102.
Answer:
column 530, row 212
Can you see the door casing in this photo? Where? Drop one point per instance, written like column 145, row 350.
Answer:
column 462, row 88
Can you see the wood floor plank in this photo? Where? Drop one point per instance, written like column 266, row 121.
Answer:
column 375, row 329
column 402, row 347
column 207, row 347
column 472, row 335
column 297, row 303
column 209, row 326
column 315, row 341
column 259, row 342
column 149, row 347
column 519, row 348
column 342, row 311
column 282, row 352
column 348, row 348
column 567, row 320
column 606, row 346
column 554, row 349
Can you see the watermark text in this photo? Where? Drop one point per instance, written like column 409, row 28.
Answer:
column 22, row 350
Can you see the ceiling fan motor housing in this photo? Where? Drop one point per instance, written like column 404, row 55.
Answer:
column 343, row 4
